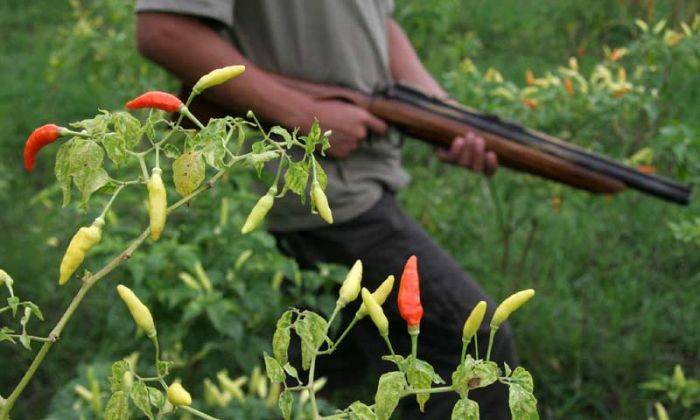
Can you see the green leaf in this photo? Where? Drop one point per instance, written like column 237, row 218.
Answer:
column 127, row 127
column 285, row 404
column 313, row 137
column 115, row 146
column 523, row 378
column 297, row 178
column 118, row 370
column 13, row 302
column 420, row 375
column 213, row 138
column 156, row 397
column 282, row 132
column 361, row 411
column 291, row 371
column 311, row 328
column 140, row 397
column 281, row 338
column 320, row 174
column 35, row 310
column 80, row 161
column 117, row 407
column 389, row 390
column 163, row 367
column 188, row 172
column 5, row 334
column 274, row 371
column 522, row 402
column 465, row 409
column 472, row 374
column 26, row 342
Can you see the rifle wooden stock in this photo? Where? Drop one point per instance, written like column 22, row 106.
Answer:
column 438, row 122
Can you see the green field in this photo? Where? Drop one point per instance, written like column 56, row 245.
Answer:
column 616, row 285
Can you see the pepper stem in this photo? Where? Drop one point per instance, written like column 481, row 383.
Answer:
column 413, row 331
column 491, row 336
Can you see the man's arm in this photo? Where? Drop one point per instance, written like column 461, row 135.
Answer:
column 469, row 150
column 188, row 48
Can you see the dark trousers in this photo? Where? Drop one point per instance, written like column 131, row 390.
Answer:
column 383, row 238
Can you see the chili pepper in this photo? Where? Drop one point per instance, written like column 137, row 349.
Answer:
column 510, row 305
column 39, row 138
column 318, row 197
column 79, row 245
column 410, row 307
column 351, row 285
column 142, row 316
column 473, row 322
column 178, row 395
column 375, row 312
column 380, row 295
column 569, row 86
column 214, row 396
column 217, row 77
column 260, row 210
column 157, row 203
column 158, row 100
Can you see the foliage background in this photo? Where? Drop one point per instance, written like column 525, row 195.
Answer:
column 617, row 286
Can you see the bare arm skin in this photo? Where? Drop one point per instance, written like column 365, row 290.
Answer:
column 188, row 48
column 469, row 150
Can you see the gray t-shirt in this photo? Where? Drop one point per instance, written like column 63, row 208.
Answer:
column 326, row 41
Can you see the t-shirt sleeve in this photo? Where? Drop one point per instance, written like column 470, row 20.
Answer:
column 219, row 10
column 388, row 7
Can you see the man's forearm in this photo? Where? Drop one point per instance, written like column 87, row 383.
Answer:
column 405, row 64
column 188, row 48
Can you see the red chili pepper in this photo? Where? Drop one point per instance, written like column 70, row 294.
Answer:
column 39, row 138
column 156, row 99
column 409, row 294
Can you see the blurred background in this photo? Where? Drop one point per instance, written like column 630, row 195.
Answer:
column 617, row 278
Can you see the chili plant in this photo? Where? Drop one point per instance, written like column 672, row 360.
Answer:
column 131, row 145
column 413, row 377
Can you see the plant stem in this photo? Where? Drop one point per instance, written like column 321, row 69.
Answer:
column 198, row 413
column 476, row 345
column 312, row 393
column 388, row 344
column 491, row 336
column 31, row 337
column 464, row 351
column 428, row 391
column 347, row 330
column 414, row 345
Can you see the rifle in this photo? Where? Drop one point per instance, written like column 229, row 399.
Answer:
column 438, row 122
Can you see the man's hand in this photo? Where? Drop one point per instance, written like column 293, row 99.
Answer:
column 469, row 151
column 350, row 125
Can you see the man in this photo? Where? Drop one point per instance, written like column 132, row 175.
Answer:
column 354, row 43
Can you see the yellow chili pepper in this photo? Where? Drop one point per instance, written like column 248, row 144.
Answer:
column 142, row 316
column 321, row 202
column 380, row 295
column 351, row 286
column 260, row 210
column 217, row 77
column 510, row 305
column 82, row 241
column 473, row 322
column 375, row 312
column 157, row 203
column 178, row 395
